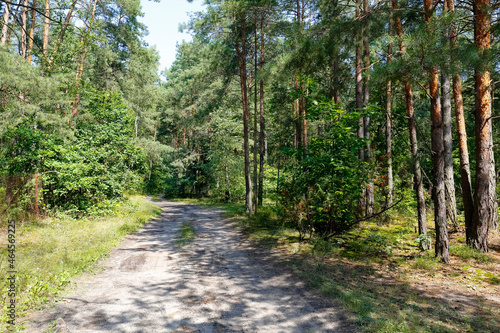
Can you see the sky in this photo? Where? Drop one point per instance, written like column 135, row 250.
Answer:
column 163, row 19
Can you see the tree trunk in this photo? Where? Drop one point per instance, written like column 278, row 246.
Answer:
column 419, row 189
column 81, row 62
column 262, row 156
column 493, row 187
column 388, row 126
column 482, row 210
column 32, row 31
column 359, row 100
column 370, row 190
column 60, row 37
column 45, row 46
column 9, row 33
column 5, row 26
column 465, row 177
column 442, row 244
column 255, row 148
column 449, row 182
column 242, row 62
column 24, row 27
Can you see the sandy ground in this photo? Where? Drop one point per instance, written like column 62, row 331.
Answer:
column 218, row 283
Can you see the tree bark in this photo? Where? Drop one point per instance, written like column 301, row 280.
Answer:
column 45, row 45
column 5, row 26
column 255, row 148
column 24, row 27
column 482, row 210
column 451, row 203
column 419, row 189
column 262, row 156
column 370, row 189
column 388, row 126
column 449, row 181
column 442, row 243
column 242, row 54
column 32, row 31
column 465, row 177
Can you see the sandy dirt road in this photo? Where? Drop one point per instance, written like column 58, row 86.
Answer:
column 218, row 283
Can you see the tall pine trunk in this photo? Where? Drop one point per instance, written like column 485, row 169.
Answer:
column 449, row 181
column 5, row 26
column 388, row 122
column 32, row 31
column 255, row 148
column 465, row 177
column 442, row 244
column 262, row 134
column 45, row 45
column 24, row 27
column 482, row 211
column 370, row 190
column 242, row 62
column 417, row 172
column 359, row 99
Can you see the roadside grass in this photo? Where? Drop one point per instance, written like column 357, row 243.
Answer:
column 52, row 251
column 185, row 234
column 377, row 272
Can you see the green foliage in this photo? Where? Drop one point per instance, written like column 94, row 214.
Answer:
column 321, row 192
column 466, row 253
column 90, row 170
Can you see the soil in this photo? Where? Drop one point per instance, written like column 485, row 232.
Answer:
column 220, row 282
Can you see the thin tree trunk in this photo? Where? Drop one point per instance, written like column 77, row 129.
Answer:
column 32, row 31
column 442, row 243
column 45, row 45
column 5, row 26
column 60, row 37
column 336, row 96
column 370, row 190
column 419, row 189
column 24, row 27
column 255, row 148
column 81, row 62
column 388, row 126
column 359, row 100
column 9, row 33
column 262, row 152
column 242, row 54
column 493, row 186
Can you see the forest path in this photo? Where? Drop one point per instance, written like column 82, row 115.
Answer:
column 217, row 283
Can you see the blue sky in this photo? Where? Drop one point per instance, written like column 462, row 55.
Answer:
column 163, row 19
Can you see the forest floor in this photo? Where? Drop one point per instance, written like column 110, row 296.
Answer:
column 189, row 270
column 377, row 272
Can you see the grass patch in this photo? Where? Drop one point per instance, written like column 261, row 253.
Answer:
column 50, row 252
column 466, row 253
column 186, row 234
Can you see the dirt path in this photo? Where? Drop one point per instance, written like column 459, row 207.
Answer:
column 218, row 283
